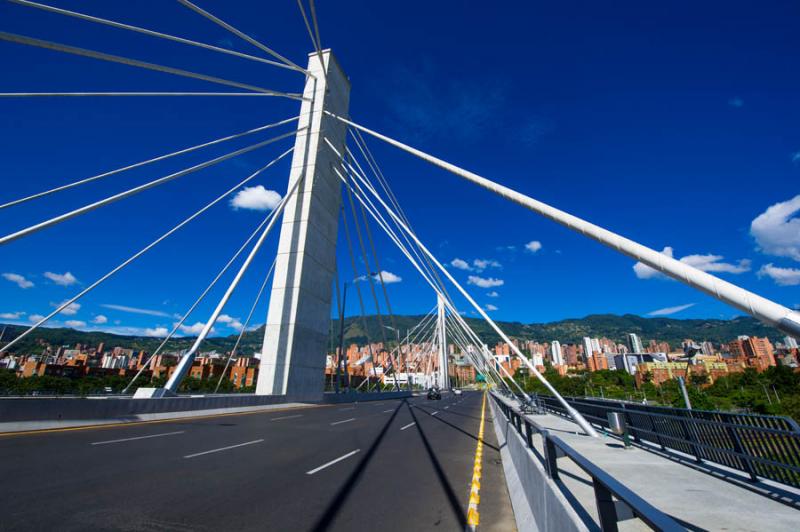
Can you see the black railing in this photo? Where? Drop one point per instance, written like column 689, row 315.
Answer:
column 606, row 487
column 760, row 446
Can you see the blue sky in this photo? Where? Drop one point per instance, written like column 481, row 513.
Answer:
column 673, row 124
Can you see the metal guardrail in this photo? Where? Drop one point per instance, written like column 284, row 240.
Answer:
column 606, row 487
column 765, row 447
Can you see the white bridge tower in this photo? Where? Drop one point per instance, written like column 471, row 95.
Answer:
column 296, row 336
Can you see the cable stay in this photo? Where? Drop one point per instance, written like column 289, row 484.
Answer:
column 246, row 323
column 358, row 292
column 152, row 33
column 74, row 50
column 384, row 183
column 315, row 41
column 108, row 94
column 244, row 36
column 141, row 252
column 369, row 276
column 141, row 188
column 145, row 163
column 391, row 233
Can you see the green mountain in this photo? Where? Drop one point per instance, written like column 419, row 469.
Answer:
column 358, row 331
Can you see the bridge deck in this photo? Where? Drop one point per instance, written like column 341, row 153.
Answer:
column 254, row 473
column 697, row 499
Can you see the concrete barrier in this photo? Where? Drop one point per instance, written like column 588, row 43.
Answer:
column 35, row 413
column 538, row 503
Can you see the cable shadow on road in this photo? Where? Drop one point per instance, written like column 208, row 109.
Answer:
column 448, row 489
column 459, row 429
column 327, row 518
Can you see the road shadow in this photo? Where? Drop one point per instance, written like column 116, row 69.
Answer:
column 455, row 506
column 459, row 429
column 328, row 517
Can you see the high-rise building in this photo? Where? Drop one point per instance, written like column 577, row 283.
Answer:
column 596, row 362
column 635, row 343
column 757, row 351
column 570, row 352
column 555, row 353
column 590, row 347
column 790, row 342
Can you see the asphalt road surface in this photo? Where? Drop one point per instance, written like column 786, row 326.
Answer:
column 385, row 465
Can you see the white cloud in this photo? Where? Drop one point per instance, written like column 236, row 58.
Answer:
column 712, row 263
column 781, row 276
column 62, row 279
column 670, row 310
column 230, row 321
column 388, row 277
column 18, row 279
column 158, row 332
column 192, row 329
column 100, row 319
column 484, row 282
column 33, row 318
column 533, row 246
column 706, row 263
column 490, row 307
column 493, row 294
column 777, row 230
column 75, row 323
column 11, row 315
column 69, row 310
column 461, row 264
column 478, row 265
column 256, row 198
column 482, row 264
column 134, row 310
column 796, row 157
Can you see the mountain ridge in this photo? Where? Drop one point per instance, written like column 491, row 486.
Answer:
column 571, row 330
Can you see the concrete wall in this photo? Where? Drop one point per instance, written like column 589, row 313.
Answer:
column 530, row 486
column 78, row 409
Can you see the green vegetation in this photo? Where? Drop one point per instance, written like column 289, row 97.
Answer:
column 776, row 391
column 50, row 385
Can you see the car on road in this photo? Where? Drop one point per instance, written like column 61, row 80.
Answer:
column 434, row 394
column 456, row 392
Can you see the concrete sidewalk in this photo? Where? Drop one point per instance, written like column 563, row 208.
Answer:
column 696, row 499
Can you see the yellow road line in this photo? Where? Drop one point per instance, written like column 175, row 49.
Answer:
column 151, row 422
column 473, row 518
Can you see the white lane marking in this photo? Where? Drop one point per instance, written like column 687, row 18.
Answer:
column 435, row 413
column 348, row 408
column 223, row 448
column 286, row 417
column 139, row 438
column 446, row 407
column 343, row 421
column 378, row 404
column 409, row 425
column 323, row 466
column 390, row 410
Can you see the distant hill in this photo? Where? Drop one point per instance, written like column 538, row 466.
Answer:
column 611, row 326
